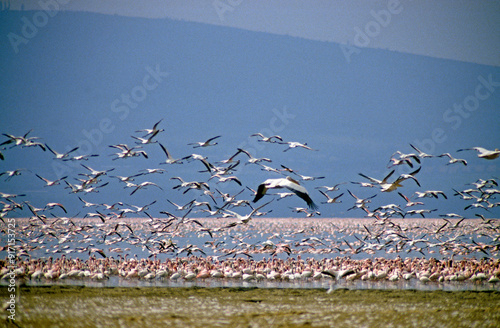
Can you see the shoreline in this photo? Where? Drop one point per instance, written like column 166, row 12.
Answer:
column 232, row 307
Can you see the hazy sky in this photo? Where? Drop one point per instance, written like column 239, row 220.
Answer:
column 455, row 29
column 90, row 77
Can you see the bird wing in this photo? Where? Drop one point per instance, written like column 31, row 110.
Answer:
column 371, row 179
column 72, row 150
column 156, row 124
column 258, row 208
column 165, row 151
column 324, row 194
column 404, row 197
column 50, row 149
column 387, row 176
column 416, row 171
column 261, row 191
column 212, row 139
column 299, row 191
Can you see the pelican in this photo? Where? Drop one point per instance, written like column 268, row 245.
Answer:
column 204, row 143
column 287, row 183
column 484, row 153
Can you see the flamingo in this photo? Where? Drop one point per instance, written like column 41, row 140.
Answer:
column 409, row 203
column 51, row 183
column 12, row 173
column 61, row 155
column 153, row 131
column 266, row 139
column 452, row 159
column 430, row 193
column 144, row 184
column 295, row 144
column 95, row 172
column 204, row 143
column 248, row 217
column 360, row 202
column 333, row 188
column 251, row 159
column 145, row 141
column 170, row 159
column 331, row 200
column 421, row 154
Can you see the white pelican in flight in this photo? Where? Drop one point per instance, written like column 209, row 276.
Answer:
column 287, row 183
column 484, row 153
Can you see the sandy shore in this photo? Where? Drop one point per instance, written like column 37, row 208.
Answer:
column 73, row 306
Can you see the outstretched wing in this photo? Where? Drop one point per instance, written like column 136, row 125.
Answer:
column 261, row 191
column 305, row 196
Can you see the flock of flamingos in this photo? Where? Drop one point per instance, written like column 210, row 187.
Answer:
column 210, row 239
